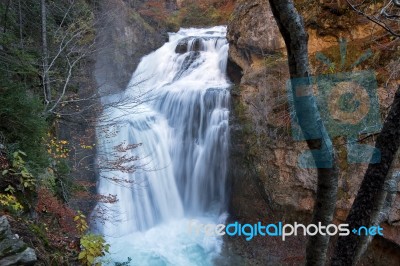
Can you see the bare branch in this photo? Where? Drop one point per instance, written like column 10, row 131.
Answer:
column 375, row 18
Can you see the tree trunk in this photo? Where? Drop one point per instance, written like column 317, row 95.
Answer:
column 293, row 31
column 21, row 43
column 46, row 81
column 368, row 204
column 6, row 15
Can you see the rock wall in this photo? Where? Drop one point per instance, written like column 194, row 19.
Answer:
column 265, row 172
column 124, row 37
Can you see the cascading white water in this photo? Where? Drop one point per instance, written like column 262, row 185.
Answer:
column 177, row 107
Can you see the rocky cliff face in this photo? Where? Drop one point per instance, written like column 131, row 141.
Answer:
column 124, row 38
column 265, row 172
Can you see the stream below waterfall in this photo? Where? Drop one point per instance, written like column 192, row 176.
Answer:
column 176, row 107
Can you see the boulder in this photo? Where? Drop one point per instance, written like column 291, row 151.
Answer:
column 13, row 251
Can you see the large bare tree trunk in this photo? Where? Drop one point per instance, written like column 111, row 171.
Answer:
column 369, row 202
column 293, row 31
column 46, row 80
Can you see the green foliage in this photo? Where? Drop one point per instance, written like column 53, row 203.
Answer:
column 39, row 231
column 70, row 31
column 20, row 177
column 18, row 181
column 21, row 120
column 22, row 124
column 93, row 246
column 40, row 175
column 25, row 118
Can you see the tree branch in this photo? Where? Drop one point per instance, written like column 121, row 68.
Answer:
column 374, row 19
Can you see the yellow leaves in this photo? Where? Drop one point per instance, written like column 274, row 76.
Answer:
column 87, row 147
column 81, row 224
column 10, row 202
column 57, row 149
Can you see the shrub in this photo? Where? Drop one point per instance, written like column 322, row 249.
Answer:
column 10, row 203
column 92, row 247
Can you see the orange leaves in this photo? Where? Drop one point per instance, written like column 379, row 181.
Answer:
column 155, row 9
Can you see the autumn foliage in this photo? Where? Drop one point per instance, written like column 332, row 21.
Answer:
column 155, row 9
column 52, row 210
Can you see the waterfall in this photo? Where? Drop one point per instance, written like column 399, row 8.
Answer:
column 176, row 107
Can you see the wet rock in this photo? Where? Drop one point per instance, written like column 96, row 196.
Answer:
column 181, row 48
column 189, row 44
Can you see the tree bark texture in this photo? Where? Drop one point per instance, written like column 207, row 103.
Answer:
column 369, row 202
column 294, row 33
column 46, row 80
